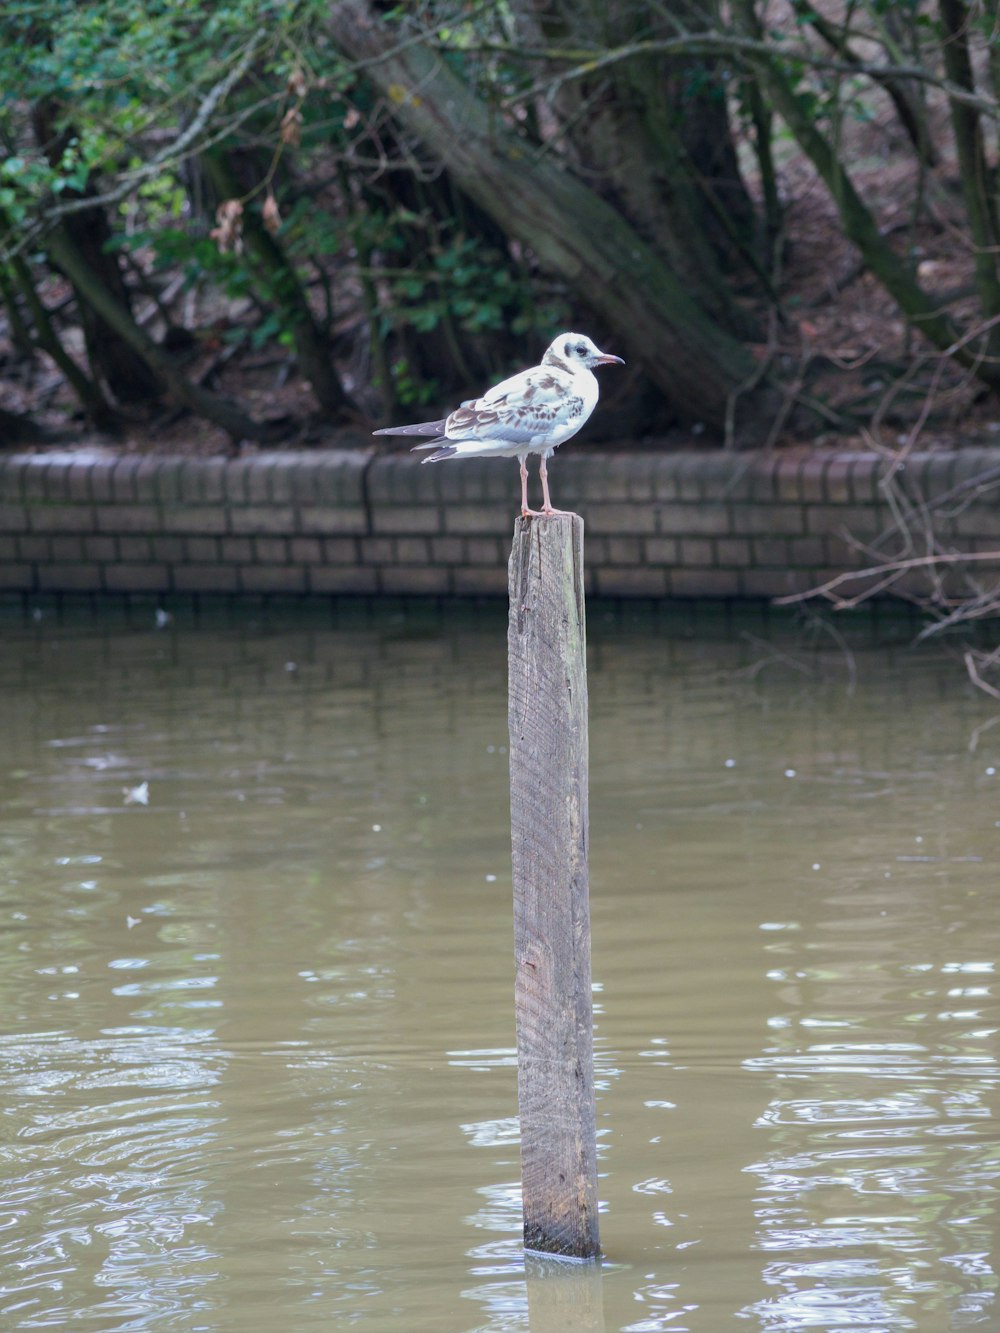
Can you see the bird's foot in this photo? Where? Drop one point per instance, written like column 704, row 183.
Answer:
column 530, row 513
column 549, row 512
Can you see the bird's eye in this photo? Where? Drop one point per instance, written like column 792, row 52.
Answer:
column 581, row 349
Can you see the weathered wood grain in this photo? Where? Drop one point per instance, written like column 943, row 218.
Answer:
column 547, row 699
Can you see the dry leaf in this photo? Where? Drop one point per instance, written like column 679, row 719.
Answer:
column 271, row 215
column 291, row 126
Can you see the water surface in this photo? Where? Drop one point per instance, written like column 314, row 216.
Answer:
column 256, row 1045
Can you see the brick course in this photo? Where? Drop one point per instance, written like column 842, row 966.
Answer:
column 698, row 524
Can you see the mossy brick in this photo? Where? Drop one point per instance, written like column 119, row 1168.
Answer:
column 61, row 518
column 732, row 551
column 195, row 519
column 416, row 580
column 404, row 479
column 79, row 482
column 640, row 480
column 412, row 550
column 648, row 581
column 694, row 520
column 8, row 547
column 329, row 521
column 480, row 581
column 774, row 582
column 340, row 550
column 13, row 518
column 769, row 519
column 237, row 477
column 162, row 483
column 235, row 550
column 31, row 475
column 77, row 576
column 348, row 579
column 272, row 578
column 123, row 480
column 280, row 472
column 865, row 474
column 145, row 478
column 127, row 518
column 305, row 550
column 665, row 478
column 377, row 550
column 205, row 578
column 37, row 548
column 170, row 550
column 14, row 577
column 768, row 551
column 65, row 549
column 806, row 552
column 424, row 518
column 704, row 582
column 336, row 478
column 863, row 521
column 587, row 475
column 210, row 475
column 786, row 477
column 621, row 551
column 841, row 553
column 661, row 550
column 718, row 475
column 977, row 520
column 100, row 548
column 270, row 550
column 202, row 550
column 470, row 519
column 596, row 548
column 483, row 551
column 619, row 518
column 100, row 478
column 261, row 518
column 136, row 549
column 697, row 551
column 153, row 577
column 446, row 550
column 812, row 478
column 11, row 481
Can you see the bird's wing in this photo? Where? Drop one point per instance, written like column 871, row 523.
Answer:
column 418, row 428
column 517, row 410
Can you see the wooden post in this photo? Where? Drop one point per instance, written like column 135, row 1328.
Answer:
column 547, row 701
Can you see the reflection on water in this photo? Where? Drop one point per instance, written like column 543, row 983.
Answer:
column 256, row 1051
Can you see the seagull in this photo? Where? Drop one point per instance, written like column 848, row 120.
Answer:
column 533, row 412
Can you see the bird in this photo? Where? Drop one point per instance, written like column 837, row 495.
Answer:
column 533, row 412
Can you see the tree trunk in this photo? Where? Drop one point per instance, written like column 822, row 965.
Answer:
column 653, row 137
column 923, row 311
column 570, row 229
column 111, row 357
column 286, row 290
column 221, row 411
column 972, row 167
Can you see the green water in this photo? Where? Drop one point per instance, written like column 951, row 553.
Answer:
column 256, row 1044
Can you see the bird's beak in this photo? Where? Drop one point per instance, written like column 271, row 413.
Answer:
column 606, row 359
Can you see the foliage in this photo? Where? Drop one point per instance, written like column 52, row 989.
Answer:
column 347, row 233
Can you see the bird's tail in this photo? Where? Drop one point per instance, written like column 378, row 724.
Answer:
column 446, row 451
column 418, row 428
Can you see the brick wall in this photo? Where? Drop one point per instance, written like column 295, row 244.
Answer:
column 353, row 521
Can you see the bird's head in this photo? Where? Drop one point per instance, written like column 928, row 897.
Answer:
column 572, row 350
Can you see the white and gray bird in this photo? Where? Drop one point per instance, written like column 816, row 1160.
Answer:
column 533, row 412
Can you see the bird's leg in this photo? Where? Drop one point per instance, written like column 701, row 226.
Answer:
column 525, row 511
column 543, row 473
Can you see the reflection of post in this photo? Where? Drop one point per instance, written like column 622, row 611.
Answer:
column 563, row 1298
column 547, row 700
